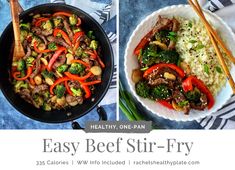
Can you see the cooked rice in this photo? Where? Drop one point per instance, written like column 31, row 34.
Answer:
column 196, row 49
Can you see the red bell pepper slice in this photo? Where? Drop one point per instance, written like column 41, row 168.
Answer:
column 29, row 72
column 55, row 56
column 67, row 14
column 76, row 45
column 194, row 81
column 87, row 91
column 40, row 51
column 67, row 88
column 81, row 62
column 144, row 41
column 161, row 65
column 91, row 82
column 92, row 54
column 75, row 77
column 64, row 35
column 32, row 82
column 79, row 22
column 58, row 81
column 77, row 36
column 40, row 20
column 99, row 59
column 166, row 104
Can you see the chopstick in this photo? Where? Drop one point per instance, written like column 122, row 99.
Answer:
column 212, row 31
column 213, row 35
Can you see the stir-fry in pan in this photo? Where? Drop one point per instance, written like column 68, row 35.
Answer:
column 62, row 64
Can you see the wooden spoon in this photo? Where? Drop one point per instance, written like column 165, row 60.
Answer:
column 18, row 48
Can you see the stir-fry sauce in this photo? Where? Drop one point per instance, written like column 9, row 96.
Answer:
column 62, row 64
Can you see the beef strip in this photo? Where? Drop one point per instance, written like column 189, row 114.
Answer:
column 40, row 88
column 162, row 24
column 201, row 105
column 36, row 30
column 29, row 52
column 41, row 33
column 25, row 94
column 61, row 60
column 68, row 29
column 178, row 96
column 43, row 38
column 47, row 32
column 38, row 66
column 57, row 40
column 156, row 77
column 25, row 43
column 175, row 28
column 71, row 99
column 74, row 84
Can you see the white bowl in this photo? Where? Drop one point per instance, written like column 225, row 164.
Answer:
column 131, row 61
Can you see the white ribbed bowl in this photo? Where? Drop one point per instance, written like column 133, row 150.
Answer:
column 131, row 61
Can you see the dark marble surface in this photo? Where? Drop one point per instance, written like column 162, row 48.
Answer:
column 131, row 13
column 9, row 117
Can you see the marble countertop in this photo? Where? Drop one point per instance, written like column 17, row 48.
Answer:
column 131, row 13
column 12, row 119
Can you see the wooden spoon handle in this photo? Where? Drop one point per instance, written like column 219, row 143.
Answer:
column 20, row 9
column 15, row 20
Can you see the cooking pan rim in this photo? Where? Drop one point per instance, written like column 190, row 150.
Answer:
column 105, row 90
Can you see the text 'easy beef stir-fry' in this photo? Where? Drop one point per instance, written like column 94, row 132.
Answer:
column 62, row 64
column 163, row 76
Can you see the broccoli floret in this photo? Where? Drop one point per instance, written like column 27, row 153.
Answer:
column 23, row 35
column 38, row 100
column 76, row 68
column 47, row 25
column 73, row 19
column 34, row 54
column 90, row 35
column 52, row 46
column 57, row 22
column 94, row 44
column 149, row 55
column 60, row 90
column 162, row 36
column 29, row 61
column 193, row 96
column 35, row 39
column 47, row 74
column 161, row 92
column 46, row 95
column 21, row 65
column 62, row 68
column 79, row 52
column 46, row 107
column 183, row 103
column 169, row 57
column 21, row 84
column 76, row 30
column 76, row 92
column 25, row 26
column 142, row 89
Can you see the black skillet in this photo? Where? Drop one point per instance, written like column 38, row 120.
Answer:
column 69, row 114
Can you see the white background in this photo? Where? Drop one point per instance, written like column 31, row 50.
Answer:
column 21, row 149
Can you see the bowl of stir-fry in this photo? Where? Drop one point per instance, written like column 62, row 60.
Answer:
column 67, row 67
column 171, row 65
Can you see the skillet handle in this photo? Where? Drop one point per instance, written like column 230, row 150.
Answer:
column 20, row 9
column 102, row 117
column 102, row 113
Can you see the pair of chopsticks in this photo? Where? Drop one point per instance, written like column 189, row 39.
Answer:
column 214, row 37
